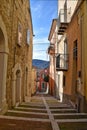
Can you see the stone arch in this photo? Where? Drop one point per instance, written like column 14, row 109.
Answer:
column 3, row 62
column 16, row 84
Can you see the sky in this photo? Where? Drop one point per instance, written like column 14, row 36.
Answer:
column 43, row 12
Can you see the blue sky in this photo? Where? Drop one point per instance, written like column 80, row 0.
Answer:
column 43, row 11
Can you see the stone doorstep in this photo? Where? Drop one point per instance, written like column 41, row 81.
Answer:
column 70, row 120
column 24, row 118
column 26, row 108
column 23, row 112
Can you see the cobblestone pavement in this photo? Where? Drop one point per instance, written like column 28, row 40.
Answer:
column 43, row 113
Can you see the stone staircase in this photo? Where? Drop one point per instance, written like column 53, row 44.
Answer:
column 43, row 113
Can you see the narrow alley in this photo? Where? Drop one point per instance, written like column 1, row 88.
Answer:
column 44, row 112
column 43, row 64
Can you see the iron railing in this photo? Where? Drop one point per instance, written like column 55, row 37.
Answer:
column 62, row 62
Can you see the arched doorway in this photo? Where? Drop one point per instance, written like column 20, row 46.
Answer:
column 16, row 85
column 3, row 65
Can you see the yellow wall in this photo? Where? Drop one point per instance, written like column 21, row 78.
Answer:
column 83, row 22
column 85, row 46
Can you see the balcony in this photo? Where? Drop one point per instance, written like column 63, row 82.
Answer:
column 63, row 21
column 51, row 50
column 62, row 62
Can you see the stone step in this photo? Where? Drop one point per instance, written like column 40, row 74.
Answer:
column 63, row 111
column 26, row 114
column 32, row 106
column 70, row 116
column 72, row 120
column 60, row 107
column 73, row 125
column 30, row 109
column 43, row 113
column 20, row 123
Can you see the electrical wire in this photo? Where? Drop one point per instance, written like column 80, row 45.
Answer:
column 40, row 43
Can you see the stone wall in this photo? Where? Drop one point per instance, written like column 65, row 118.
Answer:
column 16, row 16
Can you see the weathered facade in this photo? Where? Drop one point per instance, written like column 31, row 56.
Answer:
column 15, row 52
column 82, row 18
column 74, row 78
column 72, row 75
column 52, row 52
column 64, row 60
column 33, row 86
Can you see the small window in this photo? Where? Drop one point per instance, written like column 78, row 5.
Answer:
column 28, row 36
column 19, row 33
column 64, row 80
column 65, row 47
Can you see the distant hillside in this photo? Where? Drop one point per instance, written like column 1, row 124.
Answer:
column 40, row 64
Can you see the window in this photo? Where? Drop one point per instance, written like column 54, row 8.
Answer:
column 58, row 61
column 65, row 47
column 19, row 33
column 28, row 36
column 75, row 50
column 64, row 80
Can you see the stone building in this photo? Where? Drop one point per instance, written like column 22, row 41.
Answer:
column 82, row 80
column 52, row 52
column 16, row 36
column 72, row 74
column 33, row 80
column 65, row 12
column 74, row 78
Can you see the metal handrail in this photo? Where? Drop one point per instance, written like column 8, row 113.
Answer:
column 62, row 61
